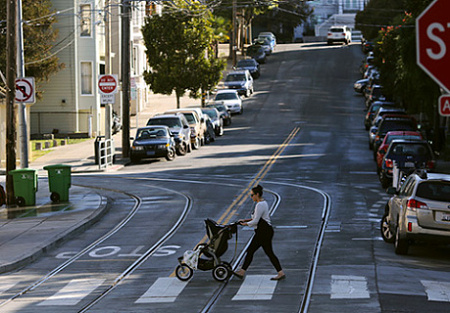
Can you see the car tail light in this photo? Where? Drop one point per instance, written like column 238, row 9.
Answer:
column 389, row 163
column 343, row 34
column 410, row 227
column 413, row 204
column 377, row 137
column 431, row 164
column 329, row 34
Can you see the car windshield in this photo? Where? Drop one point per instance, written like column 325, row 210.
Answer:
column 170, row 122
column 410, row 149
column 211, row 113
column 407, row 137
column 434, row 190
column 190, row 118
column 337, row 30
column 226, row 96
column 397, row 125
column 151, row 133
column 245, row 63
column 220, row 107
column 235, row 77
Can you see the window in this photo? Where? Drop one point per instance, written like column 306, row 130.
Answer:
column 86, row 78
column 85, row 20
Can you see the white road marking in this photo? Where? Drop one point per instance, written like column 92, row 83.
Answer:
column 437, row 290
column 165, row 289
column 7, row 283
column 256, row 287
column 73, row 292
column 349, row 287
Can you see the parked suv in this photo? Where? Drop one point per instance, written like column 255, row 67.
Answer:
column 196, row 123
column 418, row 211
column 241, row 81
column 408, row 155
column 339, row 34
column 178, row 126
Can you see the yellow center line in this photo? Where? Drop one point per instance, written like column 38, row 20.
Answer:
column 243, row 196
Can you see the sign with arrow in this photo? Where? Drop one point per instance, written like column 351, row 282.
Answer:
column 25, row 90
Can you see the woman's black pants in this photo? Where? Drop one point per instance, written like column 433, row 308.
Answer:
column 263, row 238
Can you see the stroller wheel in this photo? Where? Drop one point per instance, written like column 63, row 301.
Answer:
column 184, row 272
column 221, row 272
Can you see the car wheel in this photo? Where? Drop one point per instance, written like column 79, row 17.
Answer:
column 181, row 150
column 170, row 155
column 386, row 232
column 370, row 146
column 135, row 159
column 401, row 244
column 242, row 110
column 196, row 144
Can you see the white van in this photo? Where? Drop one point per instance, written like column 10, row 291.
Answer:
column 339, row 34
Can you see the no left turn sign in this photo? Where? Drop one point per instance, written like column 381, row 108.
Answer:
column 25, row 90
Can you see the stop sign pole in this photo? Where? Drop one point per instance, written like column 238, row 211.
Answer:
column 433, row 42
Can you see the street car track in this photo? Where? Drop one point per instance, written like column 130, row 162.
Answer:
column 93, row 245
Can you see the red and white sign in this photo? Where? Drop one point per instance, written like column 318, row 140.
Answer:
column 433, row 42
column 25, row 90
column 444, row 105
column 107, row 84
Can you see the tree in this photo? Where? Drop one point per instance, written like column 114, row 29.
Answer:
column 180, row 51
column 39, row 37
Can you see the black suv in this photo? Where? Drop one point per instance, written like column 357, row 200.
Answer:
column 408, row 155
column 178, row 126
column 393, row 123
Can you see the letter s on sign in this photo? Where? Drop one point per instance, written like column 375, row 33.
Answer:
column 438, row 40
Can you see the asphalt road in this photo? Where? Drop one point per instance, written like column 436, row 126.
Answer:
column 302, row 137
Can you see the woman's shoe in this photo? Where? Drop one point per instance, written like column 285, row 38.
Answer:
column 238, row 275
column 278, row 277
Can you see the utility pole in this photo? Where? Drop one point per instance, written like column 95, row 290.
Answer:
column 126, row 17
column 23, row 130
column 11, row 66
column 233, row 35
column 108, row 106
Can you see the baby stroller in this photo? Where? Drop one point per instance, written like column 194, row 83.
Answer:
column 206, row 256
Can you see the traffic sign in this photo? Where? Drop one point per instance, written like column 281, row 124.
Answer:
column 433, row 41
column 25, row 90
column 107, row 98
column 444, row 105
column 107, row 84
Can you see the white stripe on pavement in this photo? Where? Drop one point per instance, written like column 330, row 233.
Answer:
column 73, row 292
column 256, row 287
column 349, row 287
column 437, row 290
column 165, row 289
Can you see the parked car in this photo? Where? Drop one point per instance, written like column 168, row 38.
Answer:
column 178, row 126
column 196, row 123
column 241, row 81
column 375, row 94
column 231, row 99
column 367, row 46
column 391, row 123
column 418, row 211
column 153, row 142
column 257, row 52
column 251, row 65
column 360, row 85
column 339, row 34
column 368, row 119
column 408, row 155
column 381, row 114
column 210, row 135
column 216, row 120
column 265, row 43
column 225, row 113
column 390, row 136
column 270, row 36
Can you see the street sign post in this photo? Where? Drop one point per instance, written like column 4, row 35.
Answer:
column 107, row 84
column 433, row 42
column 444, row 105
column 25, row 90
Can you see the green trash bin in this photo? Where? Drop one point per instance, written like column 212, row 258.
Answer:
column 25, row 181
column 59, row 181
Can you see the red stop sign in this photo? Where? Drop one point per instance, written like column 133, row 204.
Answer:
column 433, row 41
column 107, row 84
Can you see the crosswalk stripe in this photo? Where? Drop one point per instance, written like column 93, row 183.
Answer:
column 73, row 292
column 437, row 290
column 7, row 283
column 165, row 289
column 256, row 287
column 349, row 287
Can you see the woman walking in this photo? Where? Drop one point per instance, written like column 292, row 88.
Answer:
column 260, row 221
